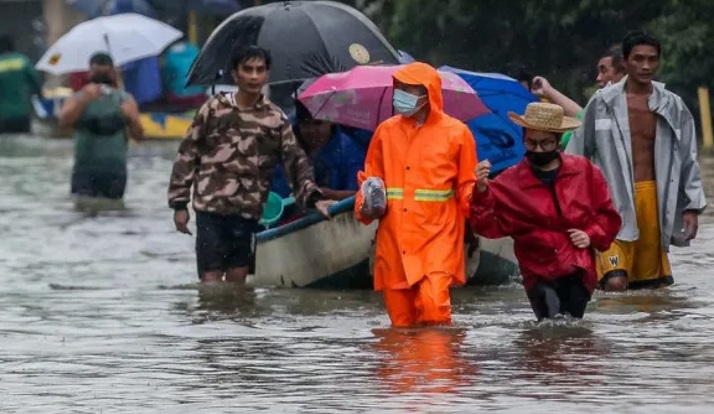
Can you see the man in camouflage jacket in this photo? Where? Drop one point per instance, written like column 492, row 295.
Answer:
column 228, row 156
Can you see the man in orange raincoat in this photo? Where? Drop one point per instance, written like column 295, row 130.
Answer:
column 426, row 160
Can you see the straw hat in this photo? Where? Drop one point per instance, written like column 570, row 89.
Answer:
column 545, row 117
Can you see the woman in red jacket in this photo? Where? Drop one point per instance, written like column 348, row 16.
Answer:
column 557, row 209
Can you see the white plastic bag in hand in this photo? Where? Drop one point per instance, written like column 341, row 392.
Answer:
column 374, row 196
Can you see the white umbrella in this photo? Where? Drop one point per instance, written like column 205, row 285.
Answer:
column 125, row 37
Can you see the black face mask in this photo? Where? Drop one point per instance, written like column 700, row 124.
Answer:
column 102, row 78
column 539, row 159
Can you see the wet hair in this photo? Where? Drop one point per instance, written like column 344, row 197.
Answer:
column 615, row 52
column 101, row 59
column 637, row 38
column 520, row 73
column 6, row 44
column 302, row 114
column 243, row 54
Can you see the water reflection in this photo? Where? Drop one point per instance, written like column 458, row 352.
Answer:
column 426, row 360
column 562, row 348
column 226, row 298
column 658, row 304
column 111, row 304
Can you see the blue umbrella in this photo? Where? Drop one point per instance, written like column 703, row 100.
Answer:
column 96, row 8
column 498, row 139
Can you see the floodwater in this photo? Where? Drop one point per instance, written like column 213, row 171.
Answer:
column 101, row 314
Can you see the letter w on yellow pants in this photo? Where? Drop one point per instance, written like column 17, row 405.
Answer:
column 428, row 302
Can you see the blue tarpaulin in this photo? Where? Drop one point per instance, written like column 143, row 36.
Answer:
column 498, row 139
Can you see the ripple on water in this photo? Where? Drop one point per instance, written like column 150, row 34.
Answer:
column 103, row 314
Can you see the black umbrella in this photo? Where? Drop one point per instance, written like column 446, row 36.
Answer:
column 306, row 39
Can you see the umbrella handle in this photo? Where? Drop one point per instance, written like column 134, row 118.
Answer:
column 109, row 48
column 218, row 76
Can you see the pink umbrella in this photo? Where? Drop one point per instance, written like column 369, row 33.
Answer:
column 362, row 97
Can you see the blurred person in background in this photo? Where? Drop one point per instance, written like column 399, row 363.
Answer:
column 100, row 115
column 610, row 69
column 336, row 156
column 18, row 81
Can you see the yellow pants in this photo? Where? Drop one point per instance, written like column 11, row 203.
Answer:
column 643, row 262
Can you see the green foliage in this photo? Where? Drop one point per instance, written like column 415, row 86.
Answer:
column 559, row 39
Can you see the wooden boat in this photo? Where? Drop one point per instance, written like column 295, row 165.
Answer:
column 493, row 263
column 338, row 254
column 314, row 252
column 162, row 125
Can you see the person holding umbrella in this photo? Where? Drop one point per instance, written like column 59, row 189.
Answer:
column 228, row 156
column 100, row 115
column 426, row 160
column 336, row 156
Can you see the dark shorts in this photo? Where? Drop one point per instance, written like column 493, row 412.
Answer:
column 223, row 242
column 99, row 184
column 15, row 126
column 564, row 295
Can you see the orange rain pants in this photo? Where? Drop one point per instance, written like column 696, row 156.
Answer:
column 426, row 303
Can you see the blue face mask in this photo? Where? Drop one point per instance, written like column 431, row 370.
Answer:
column 405, row 103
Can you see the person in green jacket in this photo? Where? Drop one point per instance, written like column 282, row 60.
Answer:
column 100, row 116
column 18, row 80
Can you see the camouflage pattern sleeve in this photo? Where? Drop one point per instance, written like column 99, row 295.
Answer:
column 187, row 162
column 298, row 168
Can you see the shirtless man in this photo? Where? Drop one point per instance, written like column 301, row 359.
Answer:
column 644, row 140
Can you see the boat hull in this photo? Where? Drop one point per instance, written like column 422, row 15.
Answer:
column 339, row 254
column 312, row 252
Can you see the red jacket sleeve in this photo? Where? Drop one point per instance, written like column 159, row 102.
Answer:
column 485, row 219
column 607, row 221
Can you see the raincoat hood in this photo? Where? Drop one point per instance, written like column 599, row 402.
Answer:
column 419, row 73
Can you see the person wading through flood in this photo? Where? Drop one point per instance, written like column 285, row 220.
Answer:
column 556, row 207
column 644, row 139
column 18, row 80
column 426, row 160
column 228, row 156
column 100, row 115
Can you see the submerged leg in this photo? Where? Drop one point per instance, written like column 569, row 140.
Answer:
column 400, row 307
column 433, row 299
column 544, row 301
